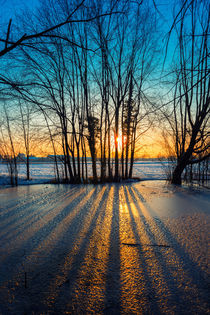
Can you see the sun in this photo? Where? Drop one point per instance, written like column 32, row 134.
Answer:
column 119, row 142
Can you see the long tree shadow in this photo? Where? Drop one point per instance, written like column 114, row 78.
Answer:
column 174, row 294
column 112, row 297
column 193, row 275
column 64, row 279
column 12, row 207
column 37, row 277
column 32, row 213
column 87, row 294
column 40, row 235
column 65, row 285
column 152, row 306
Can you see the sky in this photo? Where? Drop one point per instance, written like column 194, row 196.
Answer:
column 11, row 8
column 8, row 8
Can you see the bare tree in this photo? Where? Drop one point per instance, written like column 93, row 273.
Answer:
column 91, row 93
column 190, row 122
column 29, row 40
column 9, row 150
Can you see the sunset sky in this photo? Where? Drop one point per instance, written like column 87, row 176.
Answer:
column 151, row 144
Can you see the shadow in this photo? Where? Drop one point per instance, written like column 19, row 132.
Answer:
column 112, row 302
column 187, row 283
column 74, row 273
column 21, row 194
column 20, row 254
column 103, row 251
column 39, row 274
column 87, row 294
column 29, row 213
column 160, row 250
column 152, row 305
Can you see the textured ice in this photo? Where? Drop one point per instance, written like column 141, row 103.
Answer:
column 137, row 248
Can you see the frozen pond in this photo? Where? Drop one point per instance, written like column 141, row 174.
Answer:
column 139, row 248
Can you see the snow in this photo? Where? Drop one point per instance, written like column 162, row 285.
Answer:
column 39, row 173
column 44, row 172
column 134, row 248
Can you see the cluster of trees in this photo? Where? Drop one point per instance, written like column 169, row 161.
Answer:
column 83, row 80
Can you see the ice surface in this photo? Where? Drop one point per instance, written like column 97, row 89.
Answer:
column 137, row 248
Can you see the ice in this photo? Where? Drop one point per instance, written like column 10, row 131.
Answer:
column 134, row 248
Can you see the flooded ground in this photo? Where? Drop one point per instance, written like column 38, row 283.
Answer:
column 137, row 248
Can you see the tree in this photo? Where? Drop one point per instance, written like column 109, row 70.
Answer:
column 29, row 40
column 25, row 114
column 191, row 108
column 8, row 147
column 88, row 81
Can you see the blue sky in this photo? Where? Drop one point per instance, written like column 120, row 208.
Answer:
column 9, row 8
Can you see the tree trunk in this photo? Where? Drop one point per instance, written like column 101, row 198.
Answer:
column 116, row 144
column 177, row 173
column 27, row 167
column 93, row 156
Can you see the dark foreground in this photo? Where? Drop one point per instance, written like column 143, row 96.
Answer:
column 109, row 249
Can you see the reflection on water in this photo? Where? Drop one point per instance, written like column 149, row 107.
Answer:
column 106, row 249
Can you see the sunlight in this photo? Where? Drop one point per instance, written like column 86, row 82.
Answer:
column 131, row 261
column 154, row 270
column 77, row 249
column 51, row 241
column 91, row 286
column 30, row 222
column 158, row 234
column 117, row 140
column 102, row 249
